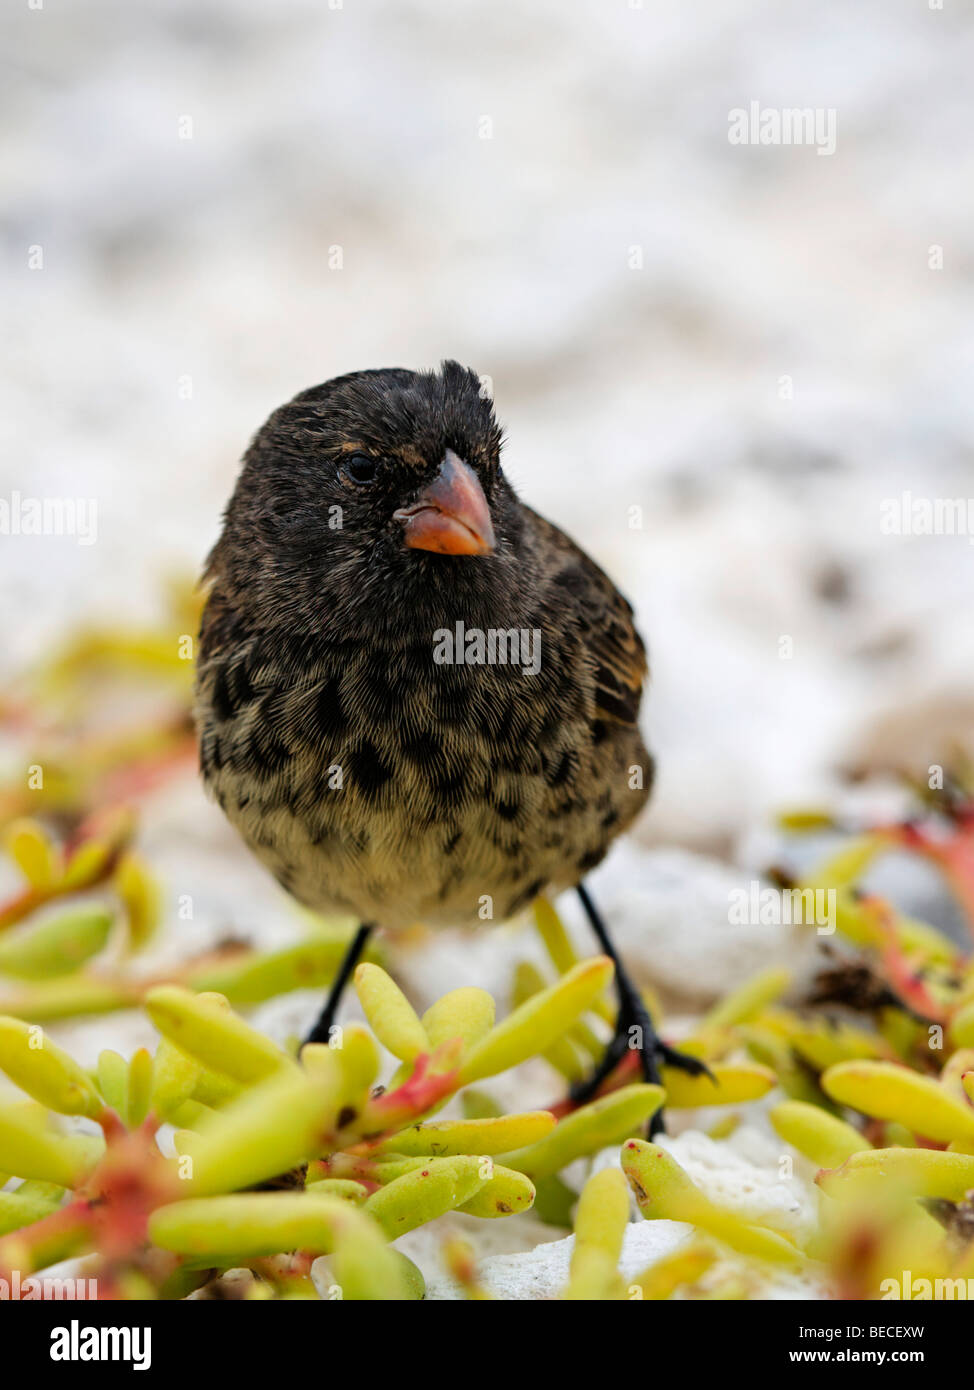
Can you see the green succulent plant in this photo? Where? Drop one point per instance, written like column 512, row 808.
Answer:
column 365, row 1163
column 223, row 1151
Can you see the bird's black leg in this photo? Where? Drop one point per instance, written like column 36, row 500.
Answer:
column 634, row 1028
column 320, row 1032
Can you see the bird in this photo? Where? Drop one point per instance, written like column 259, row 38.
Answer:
column 416, row 699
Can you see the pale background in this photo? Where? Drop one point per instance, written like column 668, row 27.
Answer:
column 658, row 388
column 359, row 127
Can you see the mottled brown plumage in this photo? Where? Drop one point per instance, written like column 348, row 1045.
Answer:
column 369, row 778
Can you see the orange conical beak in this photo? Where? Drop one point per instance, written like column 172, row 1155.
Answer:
column 450, row 516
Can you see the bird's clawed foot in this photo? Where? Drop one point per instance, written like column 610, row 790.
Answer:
column 634, row 1030
column 635, row 1033
column 683, row 1061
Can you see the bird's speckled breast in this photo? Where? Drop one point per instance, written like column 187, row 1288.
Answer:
column 376, row 782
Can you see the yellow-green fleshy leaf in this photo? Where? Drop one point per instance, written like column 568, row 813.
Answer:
column 748, row 999
column 958, row 1065
column 28, row 1203
column 31, row 1150
column 592, row 1127
column 263, row 1223
column 94, row 857
column 552, row 931
column 821, row 1137
column 825, row 1043
column 463, row 1013
column 269, row 1130
column 310, row 964
column 891, row 1092
column 846, row 866
column 141, row 899
column 33, row 851
column 664, row 1191
column 347, row 1189
column 45, row 1071
column 926, row 1172
column 562, row 1054
column 113, row 1079
column 205, row 1027
column 368, row 1271
column 536, row 1024
column 443, row 1138
column 505, row 1193
column 359, row 1059
column 600, row 1225
column 962, row 1026
column 139, row 1087
column 438, row 1186
column 478, row 1105
column 351, row 1061
column 734, row 1082
column 662, row 1279
column 57, row 947
column 174, row 1079
column 72, row 996
column 393, row 1019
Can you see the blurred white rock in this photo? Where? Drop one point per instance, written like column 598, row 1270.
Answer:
column 669, row 913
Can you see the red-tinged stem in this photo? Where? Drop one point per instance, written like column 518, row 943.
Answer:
column 957, row 859
column 135, row 782
column 353, row 1163
column 875, row 1132
column 151, row 1125
column 109, row 1289
column 277, row 1269
column 115, row 1130
column 419, row 1093
column 629, row 1068
column 111, row 1126
column 54, row 1237
column 25, row 902
column 904, row 981
column 115, row 846
column 22, row 904
column 909, row 987
column 954, row 856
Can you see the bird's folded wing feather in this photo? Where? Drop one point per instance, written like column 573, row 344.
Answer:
column 605, row 622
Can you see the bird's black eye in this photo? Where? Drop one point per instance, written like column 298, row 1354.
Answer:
column 361, row 469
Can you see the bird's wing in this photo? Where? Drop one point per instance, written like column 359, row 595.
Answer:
column 605, row 621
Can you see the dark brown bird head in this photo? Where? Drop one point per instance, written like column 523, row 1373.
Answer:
column 378, row 497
